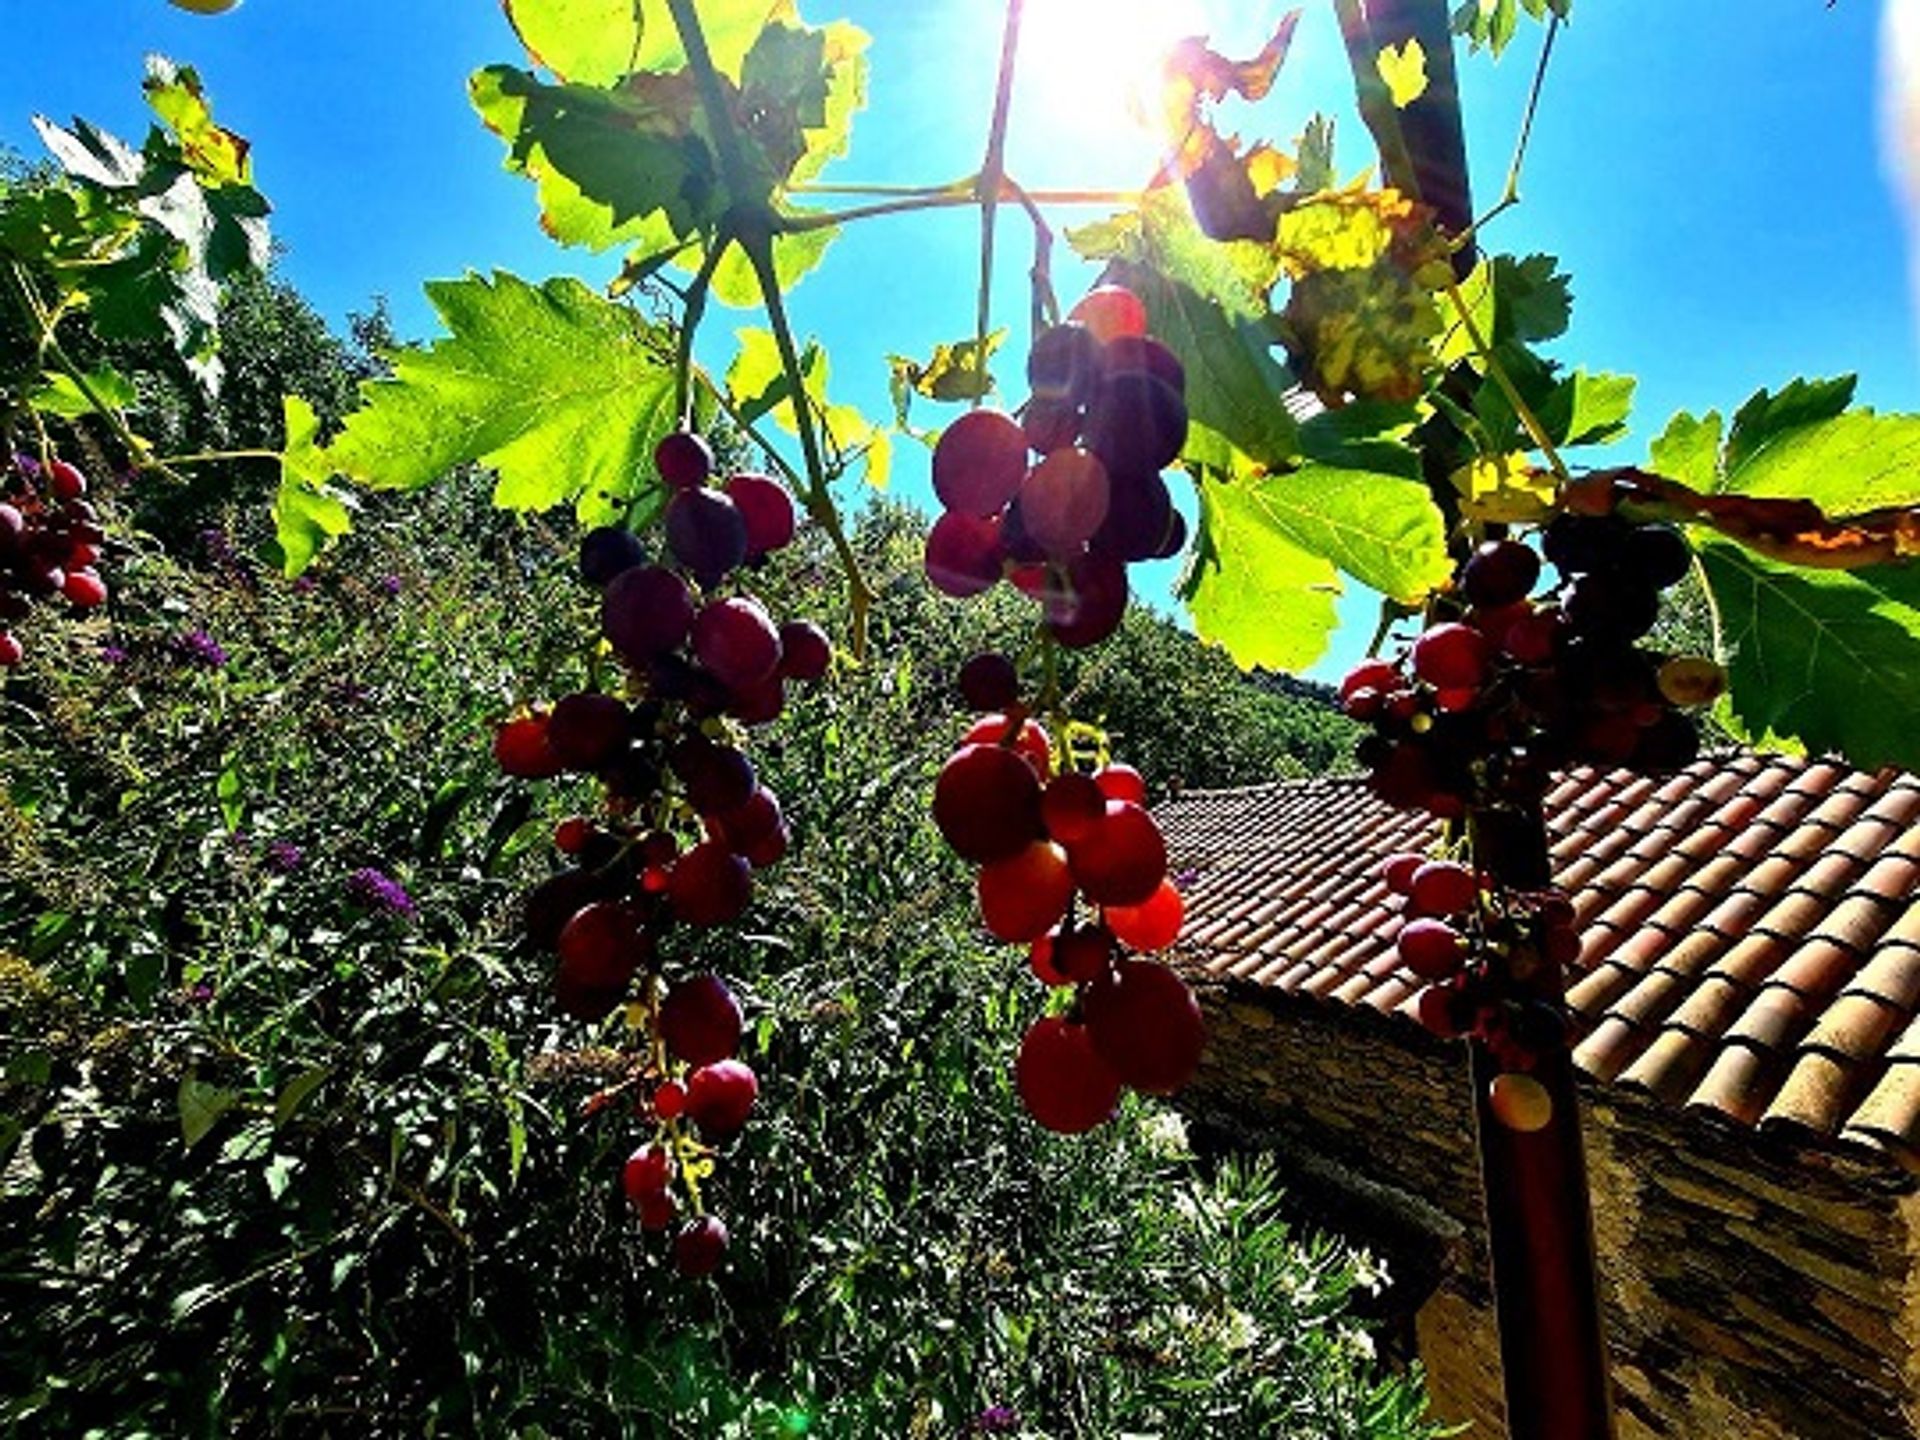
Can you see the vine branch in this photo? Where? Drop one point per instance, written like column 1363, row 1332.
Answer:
column 993, row 172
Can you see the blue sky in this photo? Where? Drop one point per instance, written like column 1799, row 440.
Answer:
column 1713, row 184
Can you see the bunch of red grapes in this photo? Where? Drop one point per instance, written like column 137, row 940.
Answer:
column 1073, row 866
column 50, row 541
column 1488, row 703
column 1107, row 412
column 683, row 821
column 1494, row 960
column 1476, row 716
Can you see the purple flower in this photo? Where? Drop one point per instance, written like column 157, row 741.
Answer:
column 1186, row 879
column 378, row 891
column 201, row 993
column 197, row 647
column 113, row 654
column 284, row 857
column 217, row 543
column 26, row 464
column 305, row 585
column 390, row 584
column 996, row 1420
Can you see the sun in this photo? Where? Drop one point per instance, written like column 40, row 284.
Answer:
column 1085, row 66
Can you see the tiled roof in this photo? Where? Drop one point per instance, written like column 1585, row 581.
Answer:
column 1751, row 927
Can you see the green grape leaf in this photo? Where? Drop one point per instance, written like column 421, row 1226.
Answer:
column 1688, row 450
column 308, row 513
column 1532, row 300
column 757, row 385
column 1588, row 409
column 59, row 394
column 563, row 393
column 1161, row 235
column 590, row 42
column 1366, row 435
column 1767, row 417
column 88, row 153
column 1268, row 601
column 605, row 159
column 214, row 155
column 1829, row 658
column 1492, row 24
column 1272, row 540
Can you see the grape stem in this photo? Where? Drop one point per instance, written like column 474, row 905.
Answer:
column 993, row 172
column 753, row 228
column 1510, row 194
column 693, row 310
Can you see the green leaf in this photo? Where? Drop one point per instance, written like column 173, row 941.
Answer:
column 1827, row 657
column 1162, row 235
column 1532, row 300
column 1266, row 600
column 1271, row 544
column 957, row 371
column 201, row 1106
column 308, row 513
column 88, row 153
column 1766, row 416
column 563, row 393
column 591, row 42
column 1688, row 450
column 1589, row 409
column 59, row 394
column 757, row 385
column 1852, row 463
column 231, row 792
column 296, row 1092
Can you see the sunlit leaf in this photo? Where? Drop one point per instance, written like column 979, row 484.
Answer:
column 1403, row 70
column 1688, row 450
column 1832, row 659
column 60, row 394
column 563, row 393
column 1505, row 489
column 308, row 513
column 215, row 155
column 957, row 371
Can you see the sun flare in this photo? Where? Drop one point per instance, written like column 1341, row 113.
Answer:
column 1085, row 67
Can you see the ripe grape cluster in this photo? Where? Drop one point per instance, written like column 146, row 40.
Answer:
column 1494, row 960
column 1501, row 690
column 684, row 820
column 1486, row 704
column 50, row 541
column 1073, row 866
column 1106, row 414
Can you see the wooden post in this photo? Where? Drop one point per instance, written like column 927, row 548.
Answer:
column 1546, row 1295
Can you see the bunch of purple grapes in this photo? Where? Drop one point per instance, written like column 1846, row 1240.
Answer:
column 683, row 820
column 1504, row 688
column 1106, row 414
column 50, row 541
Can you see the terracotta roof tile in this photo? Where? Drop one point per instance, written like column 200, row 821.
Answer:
column 1750, row 926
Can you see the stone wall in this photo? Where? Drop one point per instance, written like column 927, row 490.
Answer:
column 1750, row 1289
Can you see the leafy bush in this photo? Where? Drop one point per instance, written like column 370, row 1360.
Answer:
column 291, row 1143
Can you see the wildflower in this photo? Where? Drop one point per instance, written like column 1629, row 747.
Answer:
column 378, row 891
column 284, row 857
column 112, row 654
column 197, row 647
column 996, row 1420
column 305, row 585
column 390, row 584
column 1186, row 879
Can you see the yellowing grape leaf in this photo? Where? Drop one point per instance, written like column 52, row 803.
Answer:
column 1403, row 70
column 563, row 393
column 957, row 370
column 1505, row 489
